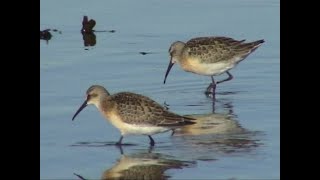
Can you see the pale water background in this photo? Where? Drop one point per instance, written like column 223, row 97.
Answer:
column 252, row 97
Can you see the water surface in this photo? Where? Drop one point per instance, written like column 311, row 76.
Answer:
column 240, row 139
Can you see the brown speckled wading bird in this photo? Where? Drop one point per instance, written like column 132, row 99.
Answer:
column 133, row 113
column 210, row 56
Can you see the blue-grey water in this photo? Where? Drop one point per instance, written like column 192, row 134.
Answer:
column 238, row 138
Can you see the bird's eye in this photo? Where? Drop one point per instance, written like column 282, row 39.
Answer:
column 93, row 95
column 88, row 96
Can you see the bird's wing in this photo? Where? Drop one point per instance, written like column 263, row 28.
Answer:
column 212, row 49
column 139, row 109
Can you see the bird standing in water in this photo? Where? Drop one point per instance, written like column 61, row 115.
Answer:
column 210, row 56
column 133, row 113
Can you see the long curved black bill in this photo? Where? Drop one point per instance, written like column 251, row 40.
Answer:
column 168, row 70
column 80, row 109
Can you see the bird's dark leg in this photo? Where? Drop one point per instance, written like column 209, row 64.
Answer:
column 173, row 131
column 120, row 141
column 150, row 149
column 166, row 106
column 151, row 140
column 211, row 92
column 228, row 79
column 213, row 104
column 211, row 89
column 121, row 150
column 82, row 178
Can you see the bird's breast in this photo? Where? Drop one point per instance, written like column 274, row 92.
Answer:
column 114, row 119
column 132, row 128
column 194, row 65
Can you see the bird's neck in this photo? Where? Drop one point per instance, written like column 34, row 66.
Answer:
column 105, row 104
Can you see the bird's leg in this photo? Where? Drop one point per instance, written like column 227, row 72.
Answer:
column 150, row 149
column 211, row 89
column 82, row 178
column 213, row 104
column 228, row 79
column 166, row 106
column 120, row 141
column 151, row 140
column 173, row 131
column 120, row 148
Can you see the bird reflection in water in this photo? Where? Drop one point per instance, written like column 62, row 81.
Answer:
column 142, row 165
column 213, row 123
column 216, row 133
column 87, row 31
column 47, row 35
column 89, row 39
column 88, row 36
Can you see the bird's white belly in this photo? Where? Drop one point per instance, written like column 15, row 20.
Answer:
column 142, row 129
column 211, row 69
column 135, row 129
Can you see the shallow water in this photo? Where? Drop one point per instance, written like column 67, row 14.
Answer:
column 240, row 140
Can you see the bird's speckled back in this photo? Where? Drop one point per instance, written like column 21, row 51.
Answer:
column 216, row 49
column 138, row 109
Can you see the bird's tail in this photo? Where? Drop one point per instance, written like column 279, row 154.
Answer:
column 251, row 46
column 247, row 48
